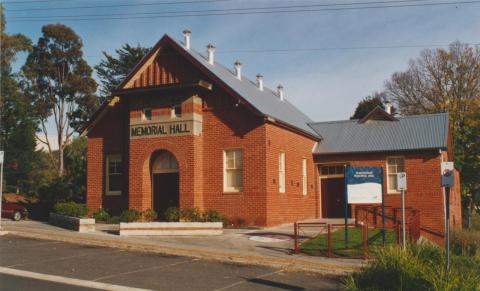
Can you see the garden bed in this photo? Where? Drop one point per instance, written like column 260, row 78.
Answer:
column 72, row 223
column 171, row 228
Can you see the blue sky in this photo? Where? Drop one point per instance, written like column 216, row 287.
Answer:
column 325, row 84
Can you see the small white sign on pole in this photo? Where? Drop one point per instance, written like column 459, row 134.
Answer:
column 447, row 174
column 1, row 157
column 401, row 181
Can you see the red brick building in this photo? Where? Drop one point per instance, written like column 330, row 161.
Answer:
column 185, row 131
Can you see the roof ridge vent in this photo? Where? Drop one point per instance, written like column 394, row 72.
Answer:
column 186, row 38
column 260, row 82
column 238, row 69
column 210, row 51
column 280, row 92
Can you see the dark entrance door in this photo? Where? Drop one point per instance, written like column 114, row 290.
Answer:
column 333, row 198
column 166, row 192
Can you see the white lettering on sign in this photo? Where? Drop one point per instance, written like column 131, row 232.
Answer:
column 162, row 129
column 363, row 175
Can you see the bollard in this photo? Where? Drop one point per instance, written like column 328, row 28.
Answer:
column 365, row 242
column 295, row 238
column 329, row 241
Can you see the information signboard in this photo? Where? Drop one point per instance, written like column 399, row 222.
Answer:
column 364, row 185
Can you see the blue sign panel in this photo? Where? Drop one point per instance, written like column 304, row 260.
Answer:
column 364, row 185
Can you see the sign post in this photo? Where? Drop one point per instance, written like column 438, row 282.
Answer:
column 447, row 182
column 1, row 185
column 402, row 186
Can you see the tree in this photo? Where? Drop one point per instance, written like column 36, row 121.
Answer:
column 60, row 84
column 447, row 81
column 17, row 130
column 369, row 103
column 113, row 70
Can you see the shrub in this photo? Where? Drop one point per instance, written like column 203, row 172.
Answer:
column 130, row 215
column 191, row 215
column 101, row 215
column 213, row 216
column 420, row 267
column 172, row 214
column 71, row 209
column 466, row 242
column 149, row 215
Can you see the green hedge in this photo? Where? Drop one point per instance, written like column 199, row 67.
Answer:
column 71, row 209
column 193, row 215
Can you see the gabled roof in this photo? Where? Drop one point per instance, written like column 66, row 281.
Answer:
column 265, row 103
column 408, row 133
column 378, row 114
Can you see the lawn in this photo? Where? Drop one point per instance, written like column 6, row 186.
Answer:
column 318, row 244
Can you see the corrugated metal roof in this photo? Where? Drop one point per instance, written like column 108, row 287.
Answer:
column 265, row 101
column 408, row 133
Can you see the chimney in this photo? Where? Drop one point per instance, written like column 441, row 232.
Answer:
column 388, row 107
column 280, row 92
column 186, row 38
column 210, row 51
column 238, row 69
column 260, row 82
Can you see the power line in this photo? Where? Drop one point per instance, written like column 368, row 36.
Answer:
column 252, row 12
column 318, row 49
column 221, row 10
column 116, row 5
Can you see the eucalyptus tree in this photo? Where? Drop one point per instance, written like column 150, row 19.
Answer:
column 60, row 84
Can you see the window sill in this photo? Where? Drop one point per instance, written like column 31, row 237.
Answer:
column 394, row 193
column 113, row 194
column 230, row 192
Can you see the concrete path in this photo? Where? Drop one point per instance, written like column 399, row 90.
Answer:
column 270, row 247
column 32, row 264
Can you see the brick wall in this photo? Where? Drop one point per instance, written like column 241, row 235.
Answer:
column 291, row 205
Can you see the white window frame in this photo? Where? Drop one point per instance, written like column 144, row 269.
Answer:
column 107, row 175
column 281, row 172
column 304, row 176
column 144, row 116
column 393, row 191
column 226, row 188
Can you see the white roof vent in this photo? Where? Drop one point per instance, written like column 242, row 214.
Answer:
column 260, row 82
column 388, row 107
column 238, row 70
column 280, row 92
column 186, row 38
column 210, row 51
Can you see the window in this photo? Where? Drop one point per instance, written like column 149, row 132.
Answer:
column 332, row 170
column 304, row 176
column 233, row 170
column 177, row 111
column 281, row 173
column 147, row 114
column 394, row 166
column 114, row 175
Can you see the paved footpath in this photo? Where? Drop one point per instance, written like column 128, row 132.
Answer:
column 235, row 246
column 33, row 264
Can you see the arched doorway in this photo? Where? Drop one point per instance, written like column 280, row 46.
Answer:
column 165, row 179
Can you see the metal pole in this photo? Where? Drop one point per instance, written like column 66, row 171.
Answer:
column 383, row 211
column 295, row 238
column 1, row 190
column 447, row 226
column 403, row 219
column 346, row 205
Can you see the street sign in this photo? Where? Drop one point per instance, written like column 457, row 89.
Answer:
column 447, row 174
column 401, row 181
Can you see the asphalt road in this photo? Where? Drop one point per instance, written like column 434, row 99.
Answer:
column 25, row 262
